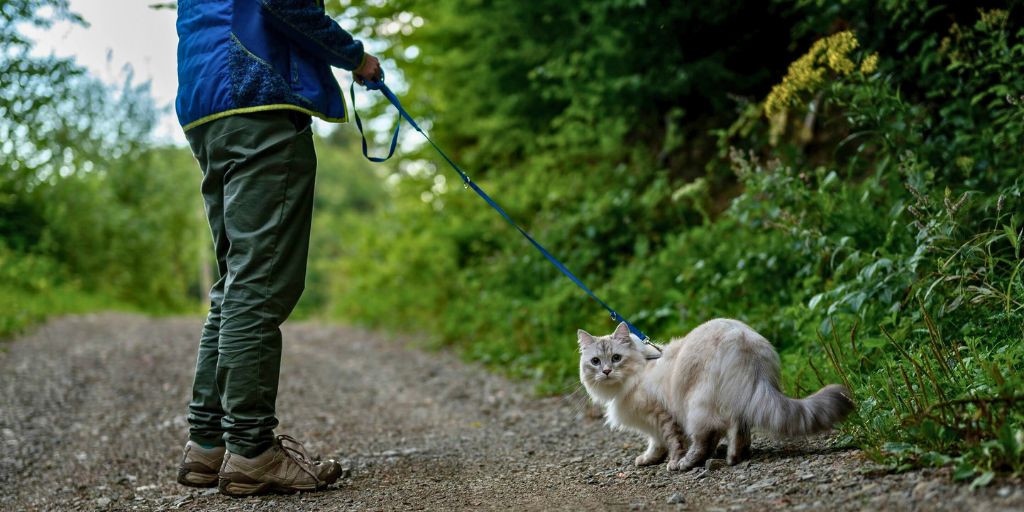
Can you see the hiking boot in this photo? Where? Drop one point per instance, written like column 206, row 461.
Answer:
column 199, row 466
column 284, row 467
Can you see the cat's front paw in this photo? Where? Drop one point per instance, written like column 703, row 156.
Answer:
column 673, row 465
column 645, row 460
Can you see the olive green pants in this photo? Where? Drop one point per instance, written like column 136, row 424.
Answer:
column 258, row 175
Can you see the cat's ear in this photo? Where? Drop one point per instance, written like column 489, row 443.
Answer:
column 585, row 338
column 622, row 333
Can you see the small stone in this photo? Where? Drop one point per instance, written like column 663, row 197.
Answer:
column 806, row 476
column 1003, row 492
column 103, row 502
column 925, row 490
column 636, row 506
column 676, row 499
column 758, row 486
column 714, row 464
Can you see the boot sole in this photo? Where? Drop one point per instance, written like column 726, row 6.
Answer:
column 193, row 479
column 237, row 489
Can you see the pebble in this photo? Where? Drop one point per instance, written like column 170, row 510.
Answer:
column 715, row 464
column 758, row 486
column 676, row 499
column 925, row 490
column 103, row 502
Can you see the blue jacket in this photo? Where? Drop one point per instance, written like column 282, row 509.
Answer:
column 237, row 56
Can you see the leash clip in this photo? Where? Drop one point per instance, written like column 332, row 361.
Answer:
column 647, row 341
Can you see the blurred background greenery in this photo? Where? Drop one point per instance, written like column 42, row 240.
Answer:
column 845, row 177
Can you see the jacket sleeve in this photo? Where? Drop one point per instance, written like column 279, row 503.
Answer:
column 305, row 23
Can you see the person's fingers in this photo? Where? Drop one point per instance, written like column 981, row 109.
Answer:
column 369, row 71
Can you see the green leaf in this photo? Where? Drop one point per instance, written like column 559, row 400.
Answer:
column 983, row 480
column 874, row 342
column 963, row 471
column 1011, row 235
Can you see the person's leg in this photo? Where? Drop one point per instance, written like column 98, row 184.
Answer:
column 204, row 453
column 205, row 411
column 268, row 167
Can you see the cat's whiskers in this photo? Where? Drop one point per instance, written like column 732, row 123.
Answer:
column 578, row 399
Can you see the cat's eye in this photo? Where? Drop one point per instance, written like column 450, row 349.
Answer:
column 595, row 361
column 616, row 358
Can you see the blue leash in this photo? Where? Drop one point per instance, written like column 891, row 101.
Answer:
column 386, row 91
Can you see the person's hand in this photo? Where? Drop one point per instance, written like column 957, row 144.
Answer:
column 370, row 70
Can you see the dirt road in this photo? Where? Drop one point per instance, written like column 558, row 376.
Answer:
column 92, row 418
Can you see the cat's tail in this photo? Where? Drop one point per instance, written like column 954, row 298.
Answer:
column 771, row 410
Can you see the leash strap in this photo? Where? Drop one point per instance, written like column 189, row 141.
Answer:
column 386, row 91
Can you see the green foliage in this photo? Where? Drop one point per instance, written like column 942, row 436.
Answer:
column 92, row 212
column 883, row 200
column 33, row 288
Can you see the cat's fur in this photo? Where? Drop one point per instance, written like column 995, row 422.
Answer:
column 720, row 379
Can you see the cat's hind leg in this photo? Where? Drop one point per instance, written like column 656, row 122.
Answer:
column 739, row 443
column 702, row 445
column 655, row 453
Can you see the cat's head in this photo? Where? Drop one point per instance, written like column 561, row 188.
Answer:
column 606, row 362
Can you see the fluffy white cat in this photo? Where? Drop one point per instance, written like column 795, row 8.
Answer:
column 721, row 379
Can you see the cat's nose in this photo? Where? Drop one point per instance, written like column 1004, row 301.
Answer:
column 606, row 371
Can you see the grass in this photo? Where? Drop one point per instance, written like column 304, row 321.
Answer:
column 937, row 392
column 34, row 288
column 20, row 309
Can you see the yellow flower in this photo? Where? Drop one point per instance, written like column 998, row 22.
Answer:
column 808, row 73
column 994, row 18
column 837, row 51
column 869, row 64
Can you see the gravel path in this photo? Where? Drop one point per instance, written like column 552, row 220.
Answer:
column 92, row 418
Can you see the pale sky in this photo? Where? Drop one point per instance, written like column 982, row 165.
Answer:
column 124, row 32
